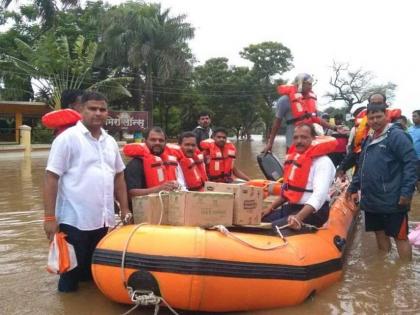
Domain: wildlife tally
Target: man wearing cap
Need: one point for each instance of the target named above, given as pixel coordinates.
(386, 180)
(296, 105)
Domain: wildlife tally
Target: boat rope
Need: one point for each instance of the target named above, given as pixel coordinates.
(125, 221)
(146, 298)
(141, 297)
(222, 229)
(124, 253)
(300, 224)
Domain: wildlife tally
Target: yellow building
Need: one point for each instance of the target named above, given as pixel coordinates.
(21, 112)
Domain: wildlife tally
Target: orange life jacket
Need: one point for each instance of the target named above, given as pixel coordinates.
(194, 169)
(61, 118)
(219, 164)
(362, 127)
(303, 107)
(298, 165)
(157, 169)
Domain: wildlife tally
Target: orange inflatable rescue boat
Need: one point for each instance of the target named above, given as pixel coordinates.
(221, 270)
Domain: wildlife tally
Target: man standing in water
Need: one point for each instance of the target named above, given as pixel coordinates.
(386, 179)
(203, 130)
(84, 172)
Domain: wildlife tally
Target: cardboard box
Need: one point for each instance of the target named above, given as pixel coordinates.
(248, 203)
(200, 208)
(269, 200)
(267, 204)
(148, 209)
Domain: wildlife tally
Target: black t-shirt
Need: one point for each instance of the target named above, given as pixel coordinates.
(134, 174)
(201, 134)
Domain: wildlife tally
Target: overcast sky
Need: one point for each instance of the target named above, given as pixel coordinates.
(380, 36)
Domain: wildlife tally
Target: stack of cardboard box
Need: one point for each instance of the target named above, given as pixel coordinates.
(224, 204)
(184, 208)
(248, 203)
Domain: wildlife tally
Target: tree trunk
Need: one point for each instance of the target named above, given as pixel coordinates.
(166, 118)
(148, 96)
(136, 91)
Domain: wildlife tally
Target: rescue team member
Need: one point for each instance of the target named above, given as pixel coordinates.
(361, 132)
(84, 172)
(154, 166)
(203, 130)
(219, 155)
(354, 111)
(191, 161)
(308, 175)
(386, 180)
(68, 116)
(297, 105)
(342, 136)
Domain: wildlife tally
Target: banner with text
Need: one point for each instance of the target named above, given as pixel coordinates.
(126, 120)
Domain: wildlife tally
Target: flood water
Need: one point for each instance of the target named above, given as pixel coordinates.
(372, 283)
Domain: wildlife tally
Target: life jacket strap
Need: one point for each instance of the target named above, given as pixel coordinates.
(287, 186)
(300, 118)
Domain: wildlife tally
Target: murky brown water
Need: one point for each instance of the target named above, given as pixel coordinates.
(372, 284)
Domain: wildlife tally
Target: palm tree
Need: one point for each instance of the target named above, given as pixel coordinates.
(47, 9)
(54, 67)
(149, 41)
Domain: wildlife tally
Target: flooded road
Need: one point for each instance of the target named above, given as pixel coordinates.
(372, 284)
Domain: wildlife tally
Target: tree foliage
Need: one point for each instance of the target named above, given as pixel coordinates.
(354, 86)
(46, 10)
(270, 60)
(151, 42)
(138, 55)
(231, 93)
(56, 67)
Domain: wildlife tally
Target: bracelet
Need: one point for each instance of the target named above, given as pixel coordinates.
(49, 218)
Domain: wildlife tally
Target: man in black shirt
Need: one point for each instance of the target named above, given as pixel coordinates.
(203, 130)
(155, 139)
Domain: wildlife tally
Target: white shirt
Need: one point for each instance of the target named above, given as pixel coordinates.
(87, 169)
(321, 176)
(180, 178)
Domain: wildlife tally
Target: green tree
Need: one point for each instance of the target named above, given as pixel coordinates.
(231, 93)
(55, 67)
(354, 86)
(46, 9)
(151, 43)
(270, 60)
(15, 85)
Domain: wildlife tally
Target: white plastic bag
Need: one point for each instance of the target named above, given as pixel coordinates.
(62, 257)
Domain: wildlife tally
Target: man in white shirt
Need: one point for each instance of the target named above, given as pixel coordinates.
(309, 203)
(83, 174)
